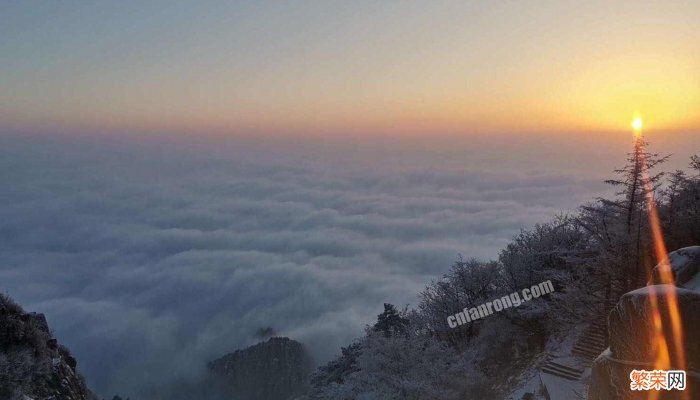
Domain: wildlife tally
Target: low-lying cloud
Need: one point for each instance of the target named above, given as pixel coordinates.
(150, 260)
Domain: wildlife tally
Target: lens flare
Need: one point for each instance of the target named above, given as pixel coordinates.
(667, 356)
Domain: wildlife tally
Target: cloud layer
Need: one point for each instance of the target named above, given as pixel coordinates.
(150, 258)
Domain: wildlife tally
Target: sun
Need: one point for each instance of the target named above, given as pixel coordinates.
(637, 124)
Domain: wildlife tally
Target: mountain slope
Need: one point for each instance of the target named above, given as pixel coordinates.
(32, 363)
(277, 369)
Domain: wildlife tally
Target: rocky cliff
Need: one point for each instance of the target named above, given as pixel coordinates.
(33, 365)
(278, 369)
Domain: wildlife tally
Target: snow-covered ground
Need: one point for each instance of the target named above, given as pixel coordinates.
(558, 348)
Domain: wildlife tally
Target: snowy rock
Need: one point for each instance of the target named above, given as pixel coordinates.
(631, 324)
(685, 265)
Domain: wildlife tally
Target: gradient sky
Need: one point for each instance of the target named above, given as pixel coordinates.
(333, 67)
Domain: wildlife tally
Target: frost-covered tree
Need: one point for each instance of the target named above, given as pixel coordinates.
(467, 283)
(681, 210)
(624, 252)
(406, 367)
(545, 252)
(337, 370)
(391, 321)
(673, 194)
(636, 179)
(695, 163)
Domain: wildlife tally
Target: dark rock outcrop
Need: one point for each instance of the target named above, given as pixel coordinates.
(33, 365)
(610, 379)
(631, 324)
(278, 369)
(631, 327)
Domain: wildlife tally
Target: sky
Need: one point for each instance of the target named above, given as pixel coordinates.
(348, 68)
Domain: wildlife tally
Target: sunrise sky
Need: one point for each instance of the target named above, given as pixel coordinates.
(349, 67)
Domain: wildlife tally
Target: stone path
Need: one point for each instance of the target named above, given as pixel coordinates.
(563, 378)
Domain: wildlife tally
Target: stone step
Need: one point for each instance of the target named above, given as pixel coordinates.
(583, 346)
(560, 373)
(585, 357)
(586, 353)
(592, 342)
(591, 349)
(590, 346)
(569, 368)
(596, 336)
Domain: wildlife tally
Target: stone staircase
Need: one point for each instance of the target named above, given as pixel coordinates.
(588, 346)
(561, 370)
(592, 342)
(563, 378)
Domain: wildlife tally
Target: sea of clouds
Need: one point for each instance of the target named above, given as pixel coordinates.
(152, 256)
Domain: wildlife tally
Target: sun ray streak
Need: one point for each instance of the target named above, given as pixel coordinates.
(666, 357)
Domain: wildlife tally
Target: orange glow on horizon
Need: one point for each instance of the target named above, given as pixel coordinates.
(276, 68)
